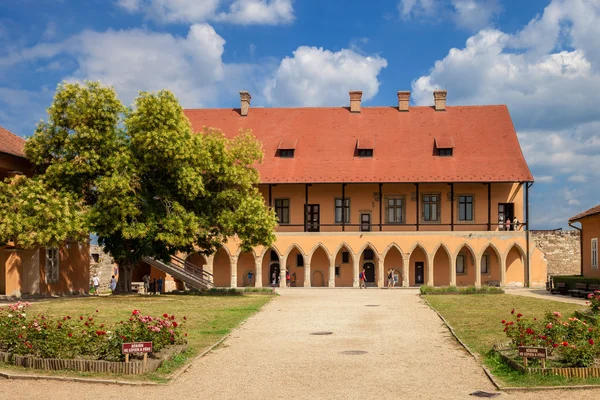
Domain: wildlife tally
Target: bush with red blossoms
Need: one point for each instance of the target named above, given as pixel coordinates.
(594, 301)
(81, 336)
(570, 340)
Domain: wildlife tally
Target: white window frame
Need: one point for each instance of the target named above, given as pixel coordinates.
(594, 260)
(52, 264)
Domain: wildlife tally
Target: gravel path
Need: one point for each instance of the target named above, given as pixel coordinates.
(545, 295)
(409, 355)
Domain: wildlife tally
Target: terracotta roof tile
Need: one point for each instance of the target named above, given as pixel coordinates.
(588, 213)
(11, 143)
(486, 148)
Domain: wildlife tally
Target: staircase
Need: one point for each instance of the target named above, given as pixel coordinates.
(184, 271)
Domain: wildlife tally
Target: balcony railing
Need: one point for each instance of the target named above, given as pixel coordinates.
(395, 227)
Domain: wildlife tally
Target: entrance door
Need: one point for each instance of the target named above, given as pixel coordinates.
(419, 272)
(365, 222)
(505, 210)
(312, 218)
(274, 269)
(369, 272)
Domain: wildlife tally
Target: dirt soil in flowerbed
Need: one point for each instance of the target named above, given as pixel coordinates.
(476, 319)
(209, 318)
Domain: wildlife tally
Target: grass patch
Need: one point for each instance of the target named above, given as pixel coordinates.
(460, 290)
(209, 318)
(476, 321)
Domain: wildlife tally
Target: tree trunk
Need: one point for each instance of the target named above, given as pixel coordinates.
(124, 282)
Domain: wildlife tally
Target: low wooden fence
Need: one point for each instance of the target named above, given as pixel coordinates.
(97, 366)
(567, 372)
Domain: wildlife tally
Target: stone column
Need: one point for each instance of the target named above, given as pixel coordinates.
(258, 272)
(405, 270)
(355, 270)
(331, 271)
(453, 270)
(477, 271)
(209, 267)
(282, 268)
(429, 270)
(502, 266)
(233, 269)
(306, 274)
(380, 274)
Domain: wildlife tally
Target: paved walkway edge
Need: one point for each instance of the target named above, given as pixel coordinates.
(171, 378)
(492, 378)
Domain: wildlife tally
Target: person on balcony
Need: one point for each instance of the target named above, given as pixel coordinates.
(516, 225)
(507, 225)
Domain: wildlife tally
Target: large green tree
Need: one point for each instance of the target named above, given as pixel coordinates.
(143, 181)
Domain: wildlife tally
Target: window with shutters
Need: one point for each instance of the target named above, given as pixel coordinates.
(52, 258)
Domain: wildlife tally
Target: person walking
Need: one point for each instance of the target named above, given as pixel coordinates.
(113, 284)
(395, 277)
(250, 278)
(362, 278)
(390, 278)
(146, 280)
(273, 279)
(288, 278)
(96, 284)
(160, 284)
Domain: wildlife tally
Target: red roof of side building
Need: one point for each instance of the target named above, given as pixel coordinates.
(592, 211)
(11, 143)
(486, 148)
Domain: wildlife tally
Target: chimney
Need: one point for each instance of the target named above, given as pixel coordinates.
(245, 99)
(439, 97)
(403, 100)
(355, 97)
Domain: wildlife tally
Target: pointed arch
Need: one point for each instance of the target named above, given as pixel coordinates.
(315, 247)
(442, 246)
(389, 247)
(442, 265)
(341, 246)
(516, 273)
(468, 246)
(252, 250)
(518, 247)
(271, 247)
(416, 276)
(367, 245)
(418, 244)
(297, 247)
(491, 274)
(494, 249)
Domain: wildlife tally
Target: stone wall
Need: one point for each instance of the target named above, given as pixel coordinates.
(102, 263)
(562, 250)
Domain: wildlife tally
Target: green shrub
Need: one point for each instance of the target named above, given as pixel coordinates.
(573, 279)
(462, 290)
(470, 290)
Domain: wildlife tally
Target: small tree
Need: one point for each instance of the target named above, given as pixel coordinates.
(148, 184)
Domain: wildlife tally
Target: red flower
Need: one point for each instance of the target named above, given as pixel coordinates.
(100, 333)
(184, 318)
(70, 334)
(174, 324)
(555, 345)
(166, 315)
(185, 334)
(68, 317)
(503, 322)
(136, 312)
(172, 317)
(90, 319)
(87, 323)
(81, 317)
(513, 311)
(96, 310)
(519, 315)
(565, 344)
(591, 341)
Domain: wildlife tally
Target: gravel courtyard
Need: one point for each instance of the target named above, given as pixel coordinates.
(405, 353)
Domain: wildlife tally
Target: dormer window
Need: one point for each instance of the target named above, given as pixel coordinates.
(287, 147)
(364, 147)
(289, 153)
(444, 146)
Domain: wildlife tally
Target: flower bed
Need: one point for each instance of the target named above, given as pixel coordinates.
(25, 339)
(571, 343)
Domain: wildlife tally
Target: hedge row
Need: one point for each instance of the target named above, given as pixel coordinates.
(460, 290)
(572, 280)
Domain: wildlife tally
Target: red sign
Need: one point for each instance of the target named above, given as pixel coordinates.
(137, 347)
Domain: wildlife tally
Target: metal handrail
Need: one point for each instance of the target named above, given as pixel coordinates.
(189, 265)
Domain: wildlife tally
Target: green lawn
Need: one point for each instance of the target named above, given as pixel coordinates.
(209, 318)
(476, 319)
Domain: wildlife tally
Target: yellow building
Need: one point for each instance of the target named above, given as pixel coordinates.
(438, 195)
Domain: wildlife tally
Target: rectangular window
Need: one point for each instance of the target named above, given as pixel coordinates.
(369, 255)
(365, 153)
(338, 211)
(52, 257)
(286, 153)
(445, 152)
(299, 260)
(394, 210)
(460, 264)
(484, 264)
(595, 253)
(431, 207)
(337, 270)
(282, 209)
(345, 257)
(465, 208)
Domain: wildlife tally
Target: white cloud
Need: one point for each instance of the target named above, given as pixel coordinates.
(50, 31)
(548, 74)
(243, 12)
(468, 14)
(315, 76)
(544, 179)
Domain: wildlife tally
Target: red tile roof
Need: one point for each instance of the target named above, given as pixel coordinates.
(11, 143)
(592, 211)
(486, 148)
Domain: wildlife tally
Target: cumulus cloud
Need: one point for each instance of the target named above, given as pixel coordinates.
(468, 14)
(243, 12)
(548, 75)
(315, 76)
(544, 178)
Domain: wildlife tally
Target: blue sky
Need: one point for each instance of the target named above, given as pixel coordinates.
(541, 58)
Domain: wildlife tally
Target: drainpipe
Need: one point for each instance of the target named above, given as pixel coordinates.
(580, 247)
(527, 186)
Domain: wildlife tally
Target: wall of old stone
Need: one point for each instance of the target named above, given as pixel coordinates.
(102, 263)
(562, 250)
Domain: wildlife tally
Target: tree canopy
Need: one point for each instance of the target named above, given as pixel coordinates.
(139, 178)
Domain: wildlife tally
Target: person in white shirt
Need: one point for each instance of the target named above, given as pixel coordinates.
(96, 283)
